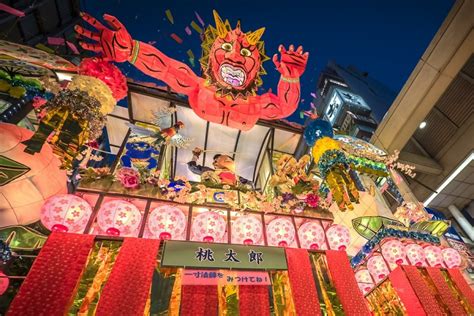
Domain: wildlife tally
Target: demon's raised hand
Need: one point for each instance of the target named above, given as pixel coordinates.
(232, 66)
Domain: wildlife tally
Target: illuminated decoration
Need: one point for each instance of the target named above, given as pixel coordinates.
(96, 89)
(25, 181)
(368, 226)
(434, 256)
(4, 283)
(209, 227)
(280, 232)
(410, 213)
(311, 235)
(452, 258)
(393, 251)
(415, 255)
(119, 218)
(338, 237)
(364, 280)
(66, 213)
(232, 66)
(317, 129)
(377, 268)
(167, 222)
(247, 230)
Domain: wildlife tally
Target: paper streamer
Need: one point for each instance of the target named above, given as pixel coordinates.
(187, 30)
(196, 27)
(176, 38)
(169, 16)
(199, 18)
(55, 41)
(313, 94)
(12, 11)
(405, 292)
(72, 47)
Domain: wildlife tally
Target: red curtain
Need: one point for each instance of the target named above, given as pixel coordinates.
(254, 300)
(422, 290)
(462, 285)
(352, 300)
(302, 284)
(445, 292)
(129, 283)
(50, 284)
(405, 292)
(199, 300)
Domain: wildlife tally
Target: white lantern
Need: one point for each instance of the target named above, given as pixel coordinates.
(452, 258)
(247, 230)
(209, 227)
(377, 268)
(393, 251)
(415, 254)
(338, 237)
(119, 218)
(364, 280)
(65, 213)
(434, 256)
(311, 235)
(280, 232)
(167, 222)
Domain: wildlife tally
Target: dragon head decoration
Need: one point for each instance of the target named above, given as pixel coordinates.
(232, 60)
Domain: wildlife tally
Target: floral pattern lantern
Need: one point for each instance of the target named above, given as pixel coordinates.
(393, 251)
(364, 280)
(377, 268)
(119, 218)
(4, 283)
(434, 256)
(65, 213)
(452, 258)
(280, 232)
(247, 230)
(415, 254)
(338, 237)
(209, 227)
(311, 235)
(167, 222)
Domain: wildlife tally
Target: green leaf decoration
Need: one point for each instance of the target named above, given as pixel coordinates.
(22, 238)
(10, 170)
(435, 228)
(368, 226)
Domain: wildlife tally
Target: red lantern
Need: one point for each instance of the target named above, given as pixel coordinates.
(338, 237)
(377, 268)
(452, 258)
(209, 227)
(393, 251)
(65, 213)
(167, 222)
(247, 230)
(280, 232)
(415, 255)
(311, 235)
(119, 218)
(434, 256)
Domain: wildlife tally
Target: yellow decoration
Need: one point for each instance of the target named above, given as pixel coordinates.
(322, 145)
(95, 88)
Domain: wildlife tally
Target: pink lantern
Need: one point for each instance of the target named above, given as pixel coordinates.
(434, 256)
(65, 213)
(4, 283)
(167, 222)
(119, 217)
(364, 280)
(247, 230)
(415, 254)
(209, 227)
(393, 251)
(338, 237)
(452, 258)
(280, 232)
(311, 235)
(377, 268)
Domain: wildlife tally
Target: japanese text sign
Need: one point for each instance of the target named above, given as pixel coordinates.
(224, 277)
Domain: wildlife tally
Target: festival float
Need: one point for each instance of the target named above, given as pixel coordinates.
(199, 198)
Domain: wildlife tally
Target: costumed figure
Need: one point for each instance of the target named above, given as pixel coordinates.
(232, 66)
(223, 172)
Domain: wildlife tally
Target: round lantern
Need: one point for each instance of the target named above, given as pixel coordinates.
(434, 256)
(364, 280)
(280, 232)
(65, 213)
(451, 257)
(311, 235)
(119, 218)
(30, 181)
(4, 283)
(377, 268)
(167, 222)
(415, 254)
(317, 129)
(247, 230)
(209, 227)
(393, 251)
(338, 237)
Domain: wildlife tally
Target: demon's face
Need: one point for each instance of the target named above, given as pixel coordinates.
(234, 62)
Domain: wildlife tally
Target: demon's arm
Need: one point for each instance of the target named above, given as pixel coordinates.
(291, 66)
(116, 44)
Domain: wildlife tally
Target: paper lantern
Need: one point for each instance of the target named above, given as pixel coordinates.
(209, 227)
(119, 218)
(311, 235)
(415, 255)
(4, 283)
(364, 280)
(377, 268)
(66, 213)
(338, 237)
(393, 251)
(28, 180)
(280, 232)
(247, 230)
(434, 256)
(452, 258)
(167, 222)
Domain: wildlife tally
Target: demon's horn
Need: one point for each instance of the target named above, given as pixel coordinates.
(237, 26)
(220, 25)
(254, 37)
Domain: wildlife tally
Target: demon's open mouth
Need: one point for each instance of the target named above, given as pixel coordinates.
(234, 76)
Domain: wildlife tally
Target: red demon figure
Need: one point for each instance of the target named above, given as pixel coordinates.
(232, 64)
